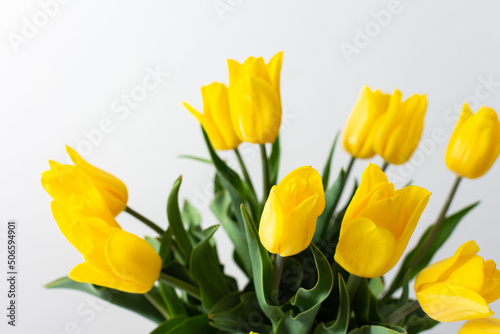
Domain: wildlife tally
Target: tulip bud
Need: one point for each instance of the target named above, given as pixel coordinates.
(254, 98)
(481, 326)
(459, 287)
(359, 134)
(90, 186)
(378, 224)
(216, 118)
(475, 143)
(398, 130)
(289, 219)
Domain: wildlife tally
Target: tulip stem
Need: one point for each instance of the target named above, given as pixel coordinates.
(352, 286)
(401, 313)
(265, 171)
(348, 171)
(277, 272)
(244, 169)
(157, 304)
(144, 220)
(384, 166)
(190, 289)
(437, 226)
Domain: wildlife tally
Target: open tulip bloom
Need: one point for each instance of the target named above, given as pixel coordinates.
(314, 264)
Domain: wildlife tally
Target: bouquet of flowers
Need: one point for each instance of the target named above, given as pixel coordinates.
(312, 265)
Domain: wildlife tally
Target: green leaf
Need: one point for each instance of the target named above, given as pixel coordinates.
(175, 221)
(444, 233)
(376, 285)
(378, 330)
(332, 197)
(221, 207)
(206, 270)
(191, 216)
(418, 322)
(174, 304)
(262, 269)
(328, 165)
(191, 157)
(365, 304)
(308, 302)
(274, 161)
(166, 245)
(239, 313)
(342, 323)
(154, 242)
(133, 302)
(183, 325)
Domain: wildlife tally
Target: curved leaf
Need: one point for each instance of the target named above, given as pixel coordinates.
(342, 323)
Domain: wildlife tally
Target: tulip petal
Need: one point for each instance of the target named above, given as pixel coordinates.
(114, 191)
(274, 69)
(364, 249)
(300, 224)
(448, 302)
(133, 259)
(438, 270)
(272, 223)
(234, 69)
(481, 326)
(491, 286)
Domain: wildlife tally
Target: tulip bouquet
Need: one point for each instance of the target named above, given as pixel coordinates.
(313, 265)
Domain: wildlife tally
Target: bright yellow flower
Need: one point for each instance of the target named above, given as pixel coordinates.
(359, 133)
(398, 130)
(459, 287)
(289, 219)
(254, 98)
(481, 326)
(113, 258)
(378, 224)
(85, 184)
(216, 118)
(475, 143)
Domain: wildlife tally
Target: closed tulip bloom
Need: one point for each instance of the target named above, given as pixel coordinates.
(113, 258)
(481, 326)
(89, 184)
(399, 129)
(289, 219)
(475, 143)
(378, 224)
(359, 133)
(459, 287)
(254, 98)
(216, 117)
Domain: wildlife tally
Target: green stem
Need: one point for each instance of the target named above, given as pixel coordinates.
(401, 313)
(384, 166)
(277, 272)
(437, 226)
(352, 286)
(154, 300)
(265, 171)
(146, 221)
(244, 170)
(190, 289)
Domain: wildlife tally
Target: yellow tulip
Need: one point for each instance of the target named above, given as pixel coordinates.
(359, 133)
(475, 143)
(254, 98)
(216, 117)
(93, 187)
(378, 224)
(289, 219)
(113, 258)
(459, 287)
(481, 326)
(398, 130)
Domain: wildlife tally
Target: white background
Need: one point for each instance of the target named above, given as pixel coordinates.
(63, 80)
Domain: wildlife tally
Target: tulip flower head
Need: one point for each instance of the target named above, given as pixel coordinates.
(378, 224)
(475, 143)
(254, 98)
(459, 287)
(113, 258)
(85, 184)
(216, 117)
(359, 134)
(481, 326)
(289, 219)
(398, 130)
